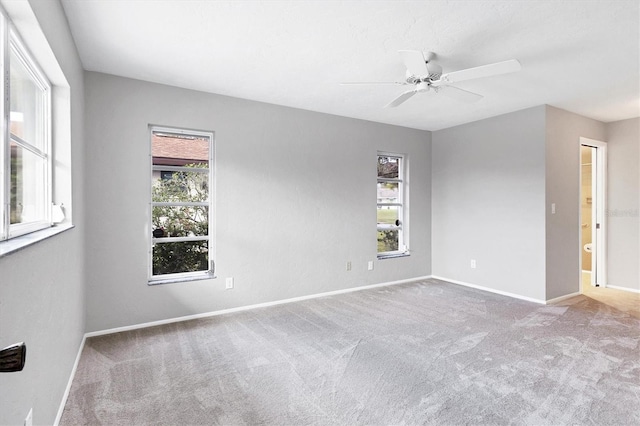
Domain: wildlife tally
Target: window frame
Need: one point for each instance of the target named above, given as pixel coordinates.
(402, 204)
(11, 41)
(182, 276)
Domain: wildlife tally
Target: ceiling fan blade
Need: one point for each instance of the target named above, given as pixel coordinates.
(415, 62)
(498, 68)
(459, 94)
(357, 83)
(401, 99)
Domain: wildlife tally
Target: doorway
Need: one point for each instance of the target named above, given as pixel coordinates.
(593, 161)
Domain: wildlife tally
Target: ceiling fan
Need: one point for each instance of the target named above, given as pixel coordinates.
(425, 75)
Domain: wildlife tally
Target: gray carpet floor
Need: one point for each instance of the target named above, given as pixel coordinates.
(422, 353)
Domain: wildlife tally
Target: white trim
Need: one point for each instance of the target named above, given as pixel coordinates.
(490, 290)
(402, 204)
(250, 307)
(631, 290)
(600, 190)
(210, 204)
(179, 204)
(601, 217)
(595, 194)
(504, 293)
(561, 298)
(179, 239)
(5, 153)
(15, 45)
(393, 180)
(18, 243)
(65, 396)
(181, 278)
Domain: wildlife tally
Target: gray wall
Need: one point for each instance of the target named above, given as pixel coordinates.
(563, 132)
(493, 185)
(295, 200)
(41, 286)
(623, 186)
(488, 203)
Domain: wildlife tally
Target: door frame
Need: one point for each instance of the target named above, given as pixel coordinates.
(599, 230)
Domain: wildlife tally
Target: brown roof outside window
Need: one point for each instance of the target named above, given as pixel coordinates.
(179, 151)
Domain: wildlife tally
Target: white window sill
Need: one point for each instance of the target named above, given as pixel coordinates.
(18, 243)
(393, 255)
(195, 277)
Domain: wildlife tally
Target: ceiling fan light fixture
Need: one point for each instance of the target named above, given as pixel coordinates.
(422, 87)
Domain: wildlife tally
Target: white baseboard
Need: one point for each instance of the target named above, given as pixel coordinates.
(491, 290)
(561, 298)
(631, 290)
(249, 307)
(65, 396)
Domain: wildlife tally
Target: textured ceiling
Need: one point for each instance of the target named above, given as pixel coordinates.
(582, 56)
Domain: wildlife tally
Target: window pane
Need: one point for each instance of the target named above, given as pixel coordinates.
(27, 186)
(171, 258)
(388, 241)
(177, 221)
(388, 167)
(180, 187)
(27, 105)
(388, 192)
(388, 215)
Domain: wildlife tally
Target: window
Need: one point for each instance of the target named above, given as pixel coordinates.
(181, 212)
(25, 175)
(392, 206)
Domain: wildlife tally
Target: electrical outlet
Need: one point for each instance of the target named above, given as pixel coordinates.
(229, 283)
(349, 266)
(553, 208)
(28, 421)
(370, 265)
(473, 264)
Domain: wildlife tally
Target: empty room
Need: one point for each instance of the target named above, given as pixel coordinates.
(320, 212)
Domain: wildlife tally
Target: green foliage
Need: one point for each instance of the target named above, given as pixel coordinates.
(15, 212)
(181, 221)
(387, 241)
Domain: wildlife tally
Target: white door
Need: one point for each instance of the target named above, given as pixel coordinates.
(598, 210)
